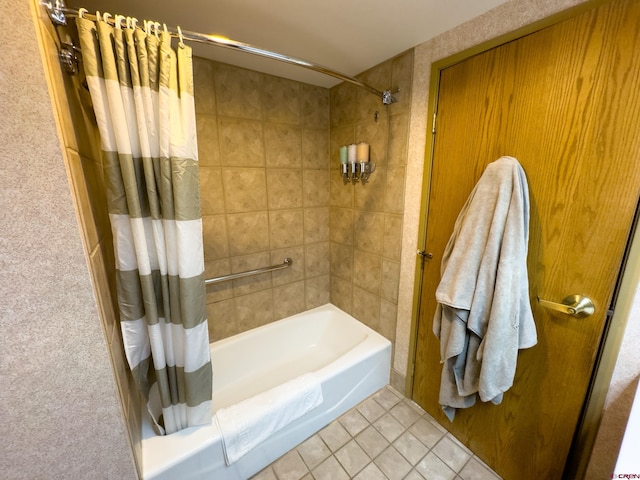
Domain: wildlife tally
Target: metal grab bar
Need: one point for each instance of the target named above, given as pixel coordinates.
(287, 262)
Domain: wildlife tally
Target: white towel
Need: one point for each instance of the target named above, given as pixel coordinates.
(483, 315)
(248, 423)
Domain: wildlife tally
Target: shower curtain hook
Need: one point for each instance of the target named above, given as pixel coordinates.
(134, 22)
(118, 21)
(181, 42)
(156, 27)
(81, 12)
(164, 26)
(106, 16)
(98, 15)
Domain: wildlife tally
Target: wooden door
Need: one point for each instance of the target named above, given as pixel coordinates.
(565, 101)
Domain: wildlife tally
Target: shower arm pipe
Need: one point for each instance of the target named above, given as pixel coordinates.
(287, 262)
(57, 12)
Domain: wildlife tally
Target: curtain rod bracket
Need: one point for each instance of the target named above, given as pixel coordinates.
(56, 12)
(388, 98)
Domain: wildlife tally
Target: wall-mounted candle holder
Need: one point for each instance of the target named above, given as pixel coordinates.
(354, 162)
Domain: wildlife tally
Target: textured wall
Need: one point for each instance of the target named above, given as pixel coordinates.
(366, 218)
(61, 415)
(264, 174)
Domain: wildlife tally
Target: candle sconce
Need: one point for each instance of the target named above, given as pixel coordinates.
(354, 162)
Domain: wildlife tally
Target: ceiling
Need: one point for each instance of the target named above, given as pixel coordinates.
(347, 36)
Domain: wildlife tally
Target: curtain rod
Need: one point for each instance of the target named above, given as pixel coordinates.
(58, 12)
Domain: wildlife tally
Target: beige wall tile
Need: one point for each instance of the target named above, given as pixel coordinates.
(238, 92)
(315, 187)
(241, 142)
(376, 134)
(284, 188)
(398, 139)
(317, 259)
(208, 141)
(316, 225)
(281, 100)
(314, 106)
(286, 228)
(392, 243)
(217, 292)
(343, 104)
(283, 145)
(203, 91)
(371, 195)
(368, 231)
(315, 148)
(211, 192)
(394, 194)
(401, 81)
(367, 271)
(366, 307)
(341, 293)
(254, 310)
(388, 314)
(317, 291)
(294, 272)
(248, 233)
(341, 225)
(288, 300)
(215, 239)
(341, 261)
(341, 193)
(221, 318)
(245, 189)
(390, 280)
(253, 283)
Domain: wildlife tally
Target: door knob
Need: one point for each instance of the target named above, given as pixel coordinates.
(577, 306)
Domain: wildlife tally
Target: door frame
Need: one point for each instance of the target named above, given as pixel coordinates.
(625, 289)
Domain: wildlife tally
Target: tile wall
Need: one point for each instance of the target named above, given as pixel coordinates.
(263, 146)
(365, 219)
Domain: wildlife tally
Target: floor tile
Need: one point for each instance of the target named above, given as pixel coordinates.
(432, 468)
(393, 431)
(387, 398)
(352, 458)
(426, 432)
(335, 436)
(410, 447)
(392, 464)
(313, 451)
(290, 467)
(330, 469)
(371, 410)
(451, 453)
(371, 472)
(354, 422)
(372, 441)
(476, 470)
(406, 415)
(389, 427)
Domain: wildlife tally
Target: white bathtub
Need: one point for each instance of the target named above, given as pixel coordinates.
(352, 360)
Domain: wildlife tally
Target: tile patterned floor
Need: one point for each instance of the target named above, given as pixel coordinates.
(386, 437)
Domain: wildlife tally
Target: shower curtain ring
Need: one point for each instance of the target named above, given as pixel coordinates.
(181, 42)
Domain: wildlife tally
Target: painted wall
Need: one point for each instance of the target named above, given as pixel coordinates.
(61, 411)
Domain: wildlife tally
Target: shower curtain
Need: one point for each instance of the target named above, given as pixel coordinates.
(142, 94)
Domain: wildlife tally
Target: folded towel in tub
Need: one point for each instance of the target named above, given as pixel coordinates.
(245, 424)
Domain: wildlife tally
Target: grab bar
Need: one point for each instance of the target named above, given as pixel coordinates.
(224, 278)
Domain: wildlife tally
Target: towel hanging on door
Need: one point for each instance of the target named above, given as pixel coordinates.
(483, 316)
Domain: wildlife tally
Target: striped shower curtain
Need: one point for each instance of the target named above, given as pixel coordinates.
(142, 94)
